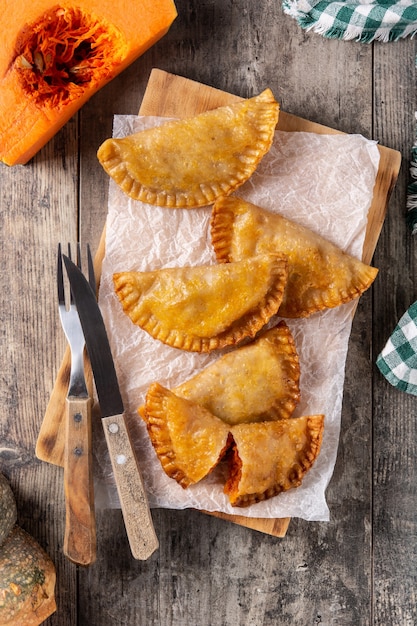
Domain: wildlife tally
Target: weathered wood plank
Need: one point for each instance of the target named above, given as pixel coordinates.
(395, 430)
(39, 208)
(361, 567)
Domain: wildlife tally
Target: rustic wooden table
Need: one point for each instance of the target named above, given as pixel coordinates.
(361, 567)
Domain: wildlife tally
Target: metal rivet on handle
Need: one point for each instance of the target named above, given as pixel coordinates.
(113, 428)
(121, 459)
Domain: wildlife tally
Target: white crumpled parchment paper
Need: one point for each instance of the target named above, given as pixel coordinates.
(325, 182)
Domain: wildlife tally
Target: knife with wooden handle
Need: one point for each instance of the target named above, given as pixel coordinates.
(132, 495)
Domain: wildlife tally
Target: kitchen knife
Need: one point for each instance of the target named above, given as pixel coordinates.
(132, 495)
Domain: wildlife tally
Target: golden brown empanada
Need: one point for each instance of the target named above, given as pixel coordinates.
(188, 440)
(206, 307)
(320, 275)
(265, 458)
(256, 382)
(271, 457)
(189, 163)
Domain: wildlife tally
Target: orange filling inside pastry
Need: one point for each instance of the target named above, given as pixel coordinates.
(266, 457)
(272, 457)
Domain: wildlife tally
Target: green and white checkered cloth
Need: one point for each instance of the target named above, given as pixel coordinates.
(363, 21)
(398, 360)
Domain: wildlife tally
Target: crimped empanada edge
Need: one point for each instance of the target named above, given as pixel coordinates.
(221, 230)
(245, 327)
(108, 155)
(290, 365)
(154, 415)
(361, 282)
(315, 427)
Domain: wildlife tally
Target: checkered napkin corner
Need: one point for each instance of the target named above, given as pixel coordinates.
(398, 360)
(364, 21)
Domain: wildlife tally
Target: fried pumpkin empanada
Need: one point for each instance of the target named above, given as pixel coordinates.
(270, 457)
(189, 163)
(320, 275)
(206, 307)
(188, 440)
(265, 458)
(256, 382)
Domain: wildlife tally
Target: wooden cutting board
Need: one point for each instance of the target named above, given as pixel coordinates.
(168, 95)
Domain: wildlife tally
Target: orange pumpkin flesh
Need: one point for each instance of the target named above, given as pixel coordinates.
(54, 58)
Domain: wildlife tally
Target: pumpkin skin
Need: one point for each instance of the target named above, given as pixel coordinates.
(8, 511)
(54, 57)
(27, 581)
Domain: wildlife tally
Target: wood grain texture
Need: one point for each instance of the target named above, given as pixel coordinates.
(132, 495)
(50, 444)
(361, 567)
(394, 427)
(80, 521)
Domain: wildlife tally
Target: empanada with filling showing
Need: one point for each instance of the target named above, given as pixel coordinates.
(191, 162)
(265, 458)
(206, 307)
(270, 457)
(320, 275)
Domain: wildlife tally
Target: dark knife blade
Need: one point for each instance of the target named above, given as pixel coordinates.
(98, 347)
(132, 494)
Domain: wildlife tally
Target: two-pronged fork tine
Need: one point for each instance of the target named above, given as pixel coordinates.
(80, 527)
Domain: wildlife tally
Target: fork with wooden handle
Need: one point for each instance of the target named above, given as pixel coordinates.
(80, 525)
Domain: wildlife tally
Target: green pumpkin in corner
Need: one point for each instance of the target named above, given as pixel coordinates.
(27, 574)
(8, 511)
